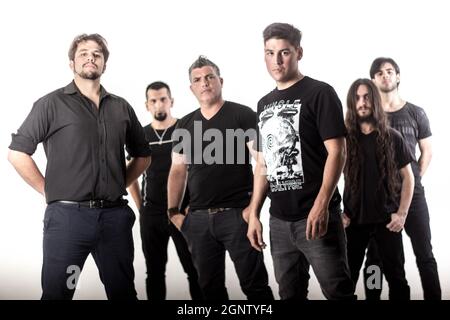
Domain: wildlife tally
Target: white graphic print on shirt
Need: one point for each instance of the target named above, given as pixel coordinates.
(278, 125)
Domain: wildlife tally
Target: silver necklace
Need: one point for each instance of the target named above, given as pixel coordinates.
(160, 137)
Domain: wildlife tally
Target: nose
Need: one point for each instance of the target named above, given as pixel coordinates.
(90, 57)
(279, 59)
(205, 82)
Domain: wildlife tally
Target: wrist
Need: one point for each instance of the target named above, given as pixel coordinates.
(173, 211)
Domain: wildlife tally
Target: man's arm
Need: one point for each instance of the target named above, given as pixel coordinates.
(317, 222)
(398, 218)
(260, 188)
(27, 169)
(176, 184)
(135, 192)
(135, 168)
(425, 154)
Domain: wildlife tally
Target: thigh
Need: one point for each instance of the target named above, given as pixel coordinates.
(290, 265)
(68, 239)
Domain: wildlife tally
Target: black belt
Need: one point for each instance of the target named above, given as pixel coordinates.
(211, 210)
(97, 204)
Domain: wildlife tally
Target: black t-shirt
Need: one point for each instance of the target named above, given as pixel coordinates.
(412, 122)
(293, 124)
(154, 179)
(372, 205)
(219, 170)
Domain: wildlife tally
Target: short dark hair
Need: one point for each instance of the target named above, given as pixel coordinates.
(284, 31)
(201, 62)
(378, 63)
(157, 85)
(85, 37)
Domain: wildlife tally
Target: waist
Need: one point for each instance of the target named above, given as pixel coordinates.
(96, 204)
(211, 210)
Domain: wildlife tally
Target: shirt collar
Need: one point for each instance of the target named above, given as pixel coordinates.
(72, 88)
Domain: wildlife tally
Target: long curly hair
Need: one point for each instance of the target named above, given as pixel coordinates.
(389, 176)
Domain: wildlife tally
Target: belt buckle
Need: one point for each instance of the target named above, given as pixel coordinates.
(214, 210)
(95, 204)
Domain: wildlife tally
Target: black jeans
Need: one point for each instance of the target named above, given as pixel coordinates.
(417, 227)
(390, 248)
(71, 233)
(292, 255)
(208, 236)
(155, 233)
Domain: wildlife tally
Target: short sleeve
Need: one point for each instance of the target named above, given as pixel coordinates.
(136, 143)
(329, 114)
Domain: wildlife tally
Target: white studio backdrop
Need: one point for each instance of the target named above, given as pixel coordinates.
(156, 40)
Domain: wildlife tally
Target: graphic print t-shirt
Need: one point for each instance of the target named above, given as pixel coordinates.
(293, 124)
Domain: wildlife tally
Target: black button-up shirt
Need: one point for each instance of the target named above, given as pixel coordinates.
(84, 144)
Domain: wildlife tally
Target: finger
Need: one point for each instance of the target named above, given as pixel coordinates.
(322, 229)
(313, 230)
(308, 229)
(255, 241)
(261, 243)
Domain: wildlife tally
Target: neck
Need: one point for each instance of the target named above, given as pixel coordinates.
(281, 85)
(392, 101)
(366, 127)
(208, 110)
(160, 125)
(88, 87)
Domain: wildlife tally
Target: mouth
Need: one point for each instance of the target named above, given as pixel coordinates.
(90, 65)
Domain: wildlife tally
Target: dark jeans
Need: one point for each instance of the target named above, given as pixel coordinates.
(292, 255)
(71, 233)
(155, 233)
(390, 248)
(208, 237)
(417, 227)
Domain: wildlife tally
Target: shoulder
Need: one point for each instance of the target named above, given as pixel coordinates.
(181, 123)
(395, 136)
(237, 107)
(319, 87)
(416, 110)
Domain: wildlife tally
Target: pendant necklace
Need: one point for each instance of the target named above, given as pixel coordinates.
(160, 137)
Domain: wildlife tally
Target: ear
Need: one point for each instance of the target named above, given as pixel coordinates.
(299, 53)
(172, 100)
(72, 65)
(221, 81)
(104, 68)
(146, 106)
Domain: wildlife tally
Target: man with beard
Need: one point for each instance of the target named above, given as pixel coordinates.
(378, 186)
(152, 201)
(412, 122)
(84, 130)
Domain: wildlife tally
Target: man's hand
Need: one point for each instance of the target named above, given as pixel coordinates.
(254, 233)
(345, 220)
(397, 222)
(317, 222)
(177, 220)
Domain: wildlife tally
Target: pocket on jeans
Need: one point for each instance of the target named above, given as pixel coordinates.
(184, 225)
(47, 218)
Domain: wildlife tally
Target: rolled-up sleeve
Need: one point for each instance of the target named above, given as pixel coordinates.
(33, 130)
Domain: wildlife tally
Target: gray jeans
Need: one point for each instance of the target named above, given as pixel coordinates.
(292, 255)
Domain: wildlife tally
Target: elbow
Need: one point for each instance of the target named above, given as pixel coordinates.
(13, 157)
